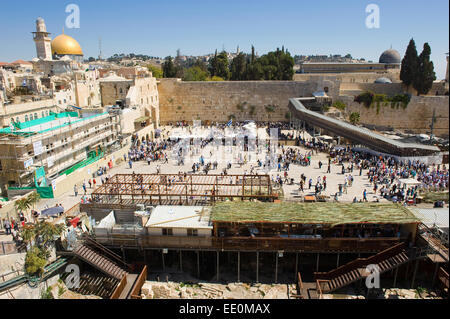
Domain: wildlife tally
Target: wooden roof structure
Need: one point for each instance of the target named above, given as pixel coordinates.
(183, 188)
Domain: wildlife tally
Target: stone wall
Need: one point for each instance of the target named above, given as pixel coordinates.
(247, 100)
(415, 118)
(390, 89)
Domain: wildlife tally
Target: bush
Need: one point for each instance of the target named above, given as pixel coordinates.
(354, 118)
(61, 290)
(366, 98)
(404, 99)
(35, 261)
(340, 105)
(47, 294)
(270, 108)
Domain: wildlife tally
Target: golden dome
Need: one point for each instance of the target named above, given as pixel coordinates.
(65, 45)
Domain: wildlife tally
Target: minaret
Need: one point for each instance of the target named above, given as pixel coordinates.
(446, 73)
(42, 40)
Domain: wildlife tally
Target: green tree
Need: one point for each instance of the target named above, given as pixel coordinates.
(34, 198)
(157, 72)
(169, 70)
(195, 73)
(410, 64)
(239, 68)
(215, 79)
(425, 72)
(23, 204)
(201, 64)
(276, 65)
(39, 237)
(219, 66)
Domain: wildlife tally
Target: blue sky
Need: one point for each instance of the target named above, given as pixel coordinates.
(199, 27)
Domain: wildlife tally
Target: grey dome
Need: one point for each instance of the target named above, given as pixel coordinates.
(383, 80)
(390, 57)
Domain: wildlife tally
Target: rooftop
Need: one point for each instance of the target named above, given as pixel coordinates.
(433, 216)
(179, 217)
(312, 213)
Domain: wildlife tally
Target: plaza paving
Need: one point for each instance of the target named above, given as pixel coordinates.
(291, 192)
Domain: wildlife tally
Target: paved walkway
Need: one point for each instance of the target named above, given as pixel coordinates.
(360, 183)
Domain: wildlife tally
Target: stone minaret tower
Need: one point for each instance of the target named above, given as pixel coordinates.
(42, 40)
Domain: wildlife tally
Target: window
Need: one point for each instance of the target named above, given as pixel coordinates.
(167, 232)
(17, 119)
(26, 118)
(43, 114)
(192, 232)
(35, 116)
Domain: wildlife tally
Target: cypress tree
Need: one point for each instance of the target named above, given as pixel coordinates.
(410, 64)
(425, 72)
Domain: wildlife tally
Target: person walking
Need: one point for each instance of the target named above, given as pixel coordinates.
(84, 188)
(365, 196)
(75, 190)
(7, 227)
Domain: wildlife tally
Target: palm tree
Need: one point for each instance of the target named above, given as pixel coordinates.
(22, 204)
(34, 198)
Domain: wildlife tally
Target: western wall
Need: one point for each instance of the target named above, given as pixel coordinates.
(268, 101)
(218, 101)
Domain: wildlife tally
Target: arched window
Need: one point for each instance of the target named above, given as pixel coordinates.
(43, 114)
(35, 116)
(17, 119)
(120, 91)
(26, 118)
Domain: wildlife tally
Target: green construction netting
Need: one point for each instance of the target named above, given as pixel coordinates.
(93, 157)
(51, 117)
(44, 192)
(36, 122)
(39, 177)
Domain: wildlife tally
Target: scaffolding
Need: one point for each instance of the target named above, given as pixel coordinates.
(182, 189)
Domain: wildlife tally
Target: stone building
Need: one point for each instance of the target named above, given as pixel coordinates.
(138, 99)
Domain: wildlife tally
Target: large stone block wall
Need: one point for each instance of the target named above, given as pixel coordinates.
(378, 88)
(217, 101)
(415, 118)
